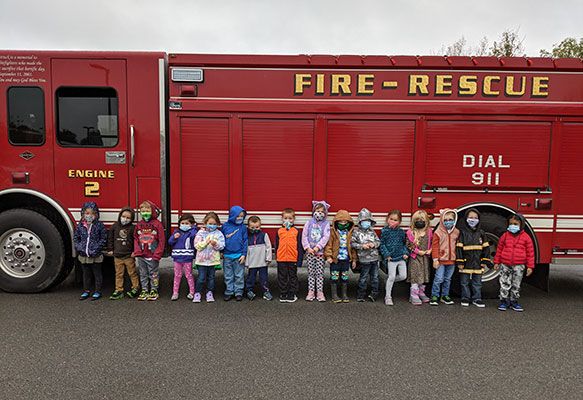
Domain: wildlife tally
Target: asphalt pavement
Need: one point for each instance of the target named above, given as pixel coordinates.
(54, 346)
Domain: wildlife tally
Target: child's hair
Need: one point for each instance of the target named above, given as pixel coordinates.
(396, 212)
(186, 217)
(254, 219)
(145, 203)
(319, 206)
(515, 217)
(419, 214)
(213, 216)
(288, 211)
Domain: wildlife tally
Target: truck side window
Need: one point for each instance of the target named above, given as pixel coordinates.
(87, 117)
(26, 115)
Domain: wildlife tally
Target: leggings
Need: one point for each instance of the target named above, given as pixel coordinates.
(315, 272)
(396, 272)
(178, 268)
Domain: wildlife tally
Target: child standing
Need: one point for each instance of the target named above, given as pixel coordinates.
(90, 237)
(366, 243)
(340, 255)
(208, 243)
(235, 233)
(394, 252)
(315, 235)
(419, 244)
(289, 254)
(472, 257)
(182, 240)
(258, 258)
(149, 244)
(515, 251)
(443, 253)
(120, 243)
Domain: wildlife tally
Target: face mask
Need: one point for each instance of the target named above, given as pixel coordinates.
(419, 224)
(365, 224)
(393, 224)
(254, 231)
(473, 222)
(448, 224)
(211, 227)
(513, 228)
(125, 221)
(287, 224)
(319, 215)
(239, 221)
(89, 218)
(185, 228)
(146, 215)
(343, 226)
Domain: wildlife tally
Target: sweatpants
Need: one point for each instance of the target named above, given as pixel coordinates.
(315, 272)
(396, 272)
(148, 273)
(287, 277)
(252, 276)
(510, 280)
(90, 271)
(339, 272)
(121, 265)
(187, 268)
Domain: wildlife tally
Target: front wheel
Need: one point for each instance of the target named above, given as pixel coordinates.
(33, 253)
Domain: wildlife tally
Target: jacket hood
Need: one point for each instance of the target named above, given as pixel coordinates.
(366, 214)
(92, 205)
(465, 223)
(154, 208)
(343, 215)
(448, 211)
(130, 210)
(326, 206)
(234, 212)
(522, 222)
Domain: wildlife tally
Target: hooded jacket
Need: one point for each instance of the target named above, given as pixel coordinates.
(90, 239)
(120, 239)
(393, 243)
(515, 248)
(443, 247)
(333, 245)
(149, 240)
(362, 236)
(316, 233)
(472, 248)
(235, 234)
(183, 246)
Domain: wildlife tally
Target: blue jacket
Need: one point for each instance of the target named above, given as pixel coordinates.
(393, 243)
(235, 234)
(183, 248)
(90, 239)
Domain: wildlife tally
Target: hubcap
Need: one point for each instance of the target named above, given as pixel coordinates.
(23, 253)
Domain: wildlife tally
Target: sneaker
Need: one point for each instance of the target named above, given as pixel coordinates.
(238, 297)
(96, 296)
(478, 303)
(196, 298)
(320, 297)
(311, 296)
(228, 297)
(116, 295)
(360, 299)
(503, 306)
(292, 298)
(190, 296)
(267, 296)
(465, 303)
(516, 307)
(153, 296)
(283, 298)
(250, 295)
(210, 297)
(446, 300)
(132, 293)
(388, 301)
(372, 298)
(434, 301)
(84, 295)
(174, 297)
(143, 295)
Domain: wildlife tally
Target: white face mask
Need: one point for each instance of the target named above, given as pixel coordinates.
(125, 221)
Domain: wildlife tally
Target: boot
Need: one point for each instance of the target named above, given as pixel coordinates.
(344, 288)
(414, 297)
(334, 290)
(422, 295)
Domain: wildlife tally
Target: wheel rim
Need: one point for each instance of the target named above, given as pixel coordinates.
(490, 273)
(23, 253)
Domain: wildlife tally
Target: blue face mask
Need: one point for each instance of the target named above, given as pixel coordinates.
(513, 228)
(239, 221)
(473, 222)
(448, 224)
(185, 228)
(365, 224)
(287, 224)
(254, 231)
(211, 227)
(89, 218)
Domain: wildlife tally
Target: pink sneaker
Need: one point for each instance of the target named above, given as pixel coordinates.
(311, 296)
(321, 297)
(197, 297)
(209, 297)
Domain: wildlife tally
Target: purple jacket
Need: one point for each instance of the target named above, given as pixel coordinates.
(316, 233)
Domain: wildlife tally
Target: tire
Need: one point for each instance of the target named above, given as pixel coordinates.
(33, 252)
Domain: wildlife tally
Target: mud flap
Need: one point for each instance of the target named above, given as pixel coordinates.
(539, 278)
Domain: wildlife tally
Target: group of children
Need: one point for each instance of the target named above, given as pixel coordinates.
(345, 245)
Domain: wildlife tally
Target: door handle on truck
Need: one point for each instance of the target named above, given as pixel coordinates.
(132, 146)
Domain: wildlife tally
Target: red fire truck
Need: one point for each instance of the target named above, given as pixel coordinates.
(196, 133)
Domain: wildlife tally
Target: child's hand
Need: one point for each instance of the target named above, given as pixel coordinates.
(176, 235)
(110, 253)
(460, 266)
(496, 266)
(316, 249)
(330, 260)
(309, 250)
(241, 259)
(353, 264)
(388, 258)
(405, 256)
(133, 254)
(529, 271)
(483, 265)
(246, 269)
(213, 242)
(436, 264)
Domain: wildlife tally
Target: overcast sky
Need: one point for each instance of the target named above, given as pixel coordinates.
(284, 27)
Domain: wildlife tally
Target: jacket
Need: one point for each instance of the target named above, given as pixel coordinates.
(90, 239)
(120, 238)
(443, 246)
(393, 243)
(288, 245)
(258, 250)
(183, 246)
(515, 249)
(472, 248)
(316, 233)
(149, 240)
(206, 254)
(235, 234)
(415, 249)
(333, 245)
(363, 236)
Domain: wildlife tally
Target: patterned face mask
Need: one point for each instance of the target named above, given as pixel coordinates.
(124, 221)
(365, 224)
(287, 224)
(473, 222)
(319, 215)
(146, 215)
(343, 226)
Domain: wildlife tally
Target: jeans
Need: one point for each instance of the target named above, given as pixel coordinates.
(367, 269)
(392, 276)
(206, 273)
(234, 274)
(443, 276)
(476, 280)
(252, 276)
